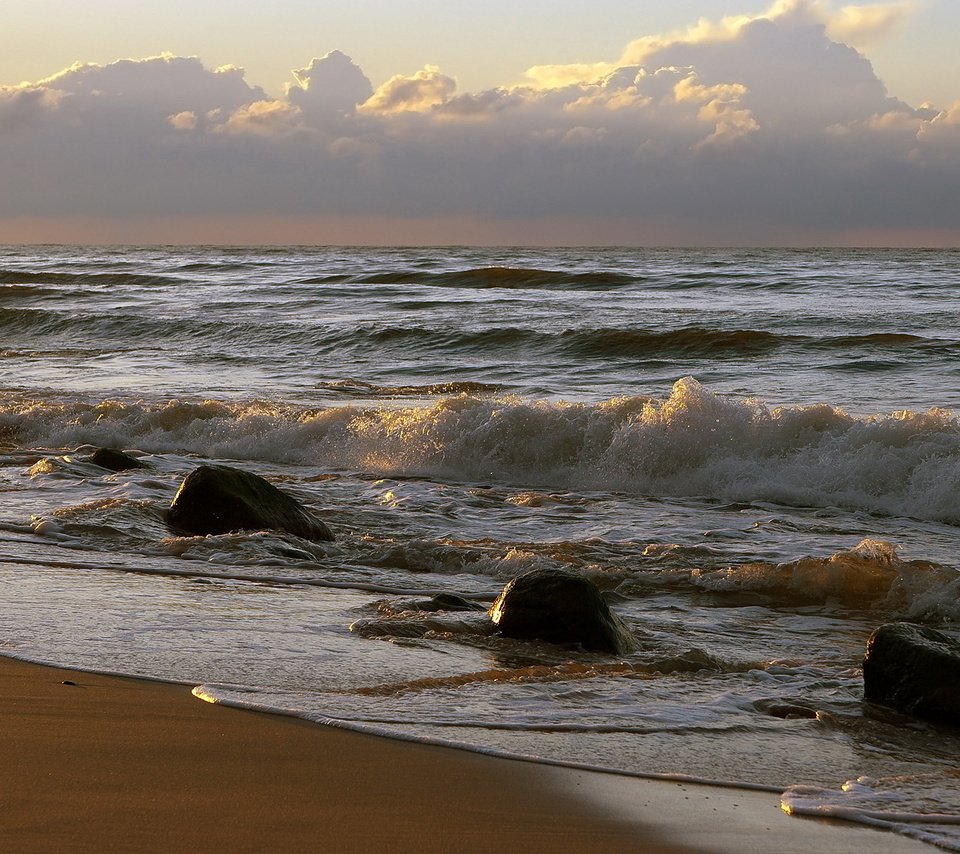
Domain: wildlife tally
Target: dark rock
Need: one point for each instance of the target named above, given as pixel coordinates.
(559, 607)
(221, 499)
(108, 458)
(449, 602)
(914, 669)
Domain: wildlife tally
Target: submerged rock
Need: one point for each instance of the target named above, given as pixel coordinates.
(220, 499)
(109, 458)
(559, 607)
(914, 669)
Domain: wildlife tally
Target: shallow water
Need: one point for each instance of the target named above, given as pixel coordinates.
(754, 453)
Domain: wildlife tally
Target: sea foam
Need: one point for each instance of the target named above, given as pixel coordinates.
(693, 444)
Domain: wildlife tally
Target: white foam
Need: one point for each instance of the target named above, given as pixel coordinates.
(869, 802)
(869, 575)
(693, 444)
(849, 804)
(46, 527)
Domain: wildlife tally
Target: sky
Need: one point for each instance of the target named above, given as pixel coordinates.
(652, 122)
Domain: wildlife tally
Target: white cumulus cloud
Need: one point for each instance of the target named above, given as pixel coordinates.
(426, 89)
(329, 87)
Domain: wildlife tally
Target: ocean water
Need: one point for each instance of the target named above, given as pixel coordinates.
(755, 454)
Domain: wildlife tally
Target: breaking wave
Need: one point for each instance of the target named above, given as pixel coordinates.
(870, 576)
(694, 444)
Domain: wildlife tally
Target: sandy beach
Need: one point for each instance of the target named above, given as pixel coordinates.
(99, 763)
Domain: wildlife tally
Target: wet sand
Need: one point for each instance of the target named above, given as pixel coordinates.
(116, 764)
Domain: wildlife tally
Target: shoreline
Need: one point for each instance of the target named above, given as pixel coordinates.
(127, 764)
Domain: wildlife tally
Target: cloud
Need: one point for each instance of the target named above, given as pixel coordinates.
(750, 129)
(186, 120)
(855, 24)
(794, 73)
(426, 89)
(261, 118)
(23, 107)
(557, 76)
(722, 105)
(939, 138)
(157, 84)
(866, 25)
(329, 87)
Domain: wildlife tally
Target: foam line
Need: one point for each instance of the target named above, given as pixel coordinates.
(290, 580)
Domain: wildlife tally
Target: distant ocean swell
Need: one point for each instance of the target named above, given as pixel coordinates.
(581, 343)
(14, 278)
(693, 444)
(473, 278)
(468, 278)
(480, 277)
(487, 277)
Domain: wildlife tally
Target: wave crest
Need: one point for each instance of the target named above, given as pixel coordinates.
(869, 575)
(488, 277)
(693, 444)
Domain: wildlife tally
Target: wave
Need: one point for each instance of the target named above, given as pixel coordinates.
(57, 353)
(871, 575)
(693, 444)
(880, 350)
(113, 279)
(361, 389)
(613, 342)
(691, 341)
(111, 326)
(487, 277)
(18, 291)
(217, 266)
(915, 805)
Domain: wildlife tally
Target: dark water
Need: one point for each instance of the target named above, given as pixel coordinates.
(868, 331)
(755, 453)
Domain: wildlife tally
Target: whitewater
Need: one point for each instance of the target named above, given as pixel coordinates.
(754, 454)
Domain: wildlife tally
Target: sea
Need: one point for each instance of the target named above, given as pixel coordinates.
(755, 454)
